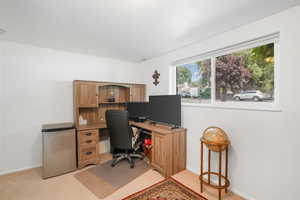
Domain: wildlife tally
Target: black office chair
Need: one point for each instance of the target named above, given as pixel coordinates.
(121, 137)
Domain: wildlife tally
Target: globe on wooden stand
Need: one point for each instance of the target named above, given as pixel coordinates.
(216, 140)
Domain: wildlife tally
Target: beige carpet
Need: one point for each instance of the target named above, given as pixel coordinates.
(103, 179)
(28, 185)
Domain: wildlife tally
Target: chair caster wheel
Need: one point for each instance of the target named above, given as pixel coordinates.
(112, 165)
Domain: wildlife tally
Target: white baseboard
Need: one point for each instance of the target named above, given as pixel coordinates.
(242, 194)
(231, 189)
(17, 170)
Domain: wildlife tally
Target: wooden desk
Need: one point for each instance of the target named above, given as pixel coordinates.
(168, 146)
(91, 100)
(151, 127)
(91, 126)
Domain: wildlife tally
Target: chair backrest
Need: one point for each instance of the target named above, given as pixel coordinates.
(119, 129)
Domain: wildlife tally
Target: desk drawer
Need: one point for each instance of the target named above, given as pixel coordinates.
(88, 137)
(88, 143)
(88, 153)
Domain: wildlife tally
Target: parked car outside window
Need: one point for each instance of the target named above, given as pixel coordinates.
(255, 95)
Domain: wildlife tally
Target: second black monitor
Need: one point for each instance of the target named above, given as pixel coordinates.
(166, 109)
(138, 109)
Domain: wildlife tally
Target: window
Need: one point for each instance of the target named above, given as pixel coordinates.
(246, 75)
(242, 74)
(193, 81)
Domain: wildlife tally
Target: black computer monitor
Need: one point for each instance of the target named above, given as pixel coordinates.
(166, 109)
(138, 109)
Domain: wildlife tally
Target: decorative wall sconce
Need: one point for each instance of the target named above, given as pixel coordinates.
(155, 76)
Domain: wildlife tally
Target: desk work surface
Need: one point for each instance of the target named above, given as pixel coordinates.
(144, 125)
(155, 127)
(91, 126)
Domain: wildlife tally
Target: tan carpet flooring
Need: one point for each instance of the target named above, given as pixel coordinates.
(110, 178)
(28, 185)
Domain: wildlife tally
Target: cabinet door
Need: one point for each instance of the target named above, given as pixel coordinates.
(162, 153)
(137, 93)
(87, 95)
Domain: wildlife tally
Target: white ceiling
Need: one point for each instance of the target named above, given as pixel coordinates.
(127, 29)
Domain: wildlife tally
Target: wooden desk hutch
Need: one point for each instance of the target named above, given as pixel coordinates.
(92, 99)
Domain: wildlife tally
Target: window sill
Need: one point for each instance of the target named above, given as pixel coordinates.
(269, 107)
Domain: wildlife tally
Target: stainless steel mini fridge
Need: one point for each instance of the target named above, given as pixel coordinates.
(59, 149)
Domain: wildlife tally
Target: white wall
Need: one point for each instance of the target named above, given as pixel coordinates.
(264, 157)
(1, 101)
(1, 90)
(38, 90)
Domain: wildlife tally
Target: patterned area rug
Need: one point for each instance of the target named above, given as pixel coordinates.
(168, 189)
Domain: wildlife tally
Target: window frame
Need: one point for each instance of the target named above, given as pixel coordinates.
(260, 106)
(197, 60)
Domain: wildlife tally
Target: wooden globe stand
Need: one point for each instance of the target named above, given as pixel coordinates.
(216, 147)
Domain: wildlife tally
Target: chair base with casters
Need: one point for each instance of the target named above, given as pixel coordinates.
(129, 156)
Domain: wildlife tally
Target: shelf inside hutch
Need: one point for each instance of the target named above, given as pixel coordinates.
(114, 94)
(90, 114)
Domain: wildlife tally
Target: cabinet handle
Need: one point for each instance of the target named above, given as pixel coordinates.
(88, 153)
(88, 134)
(89, 141)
